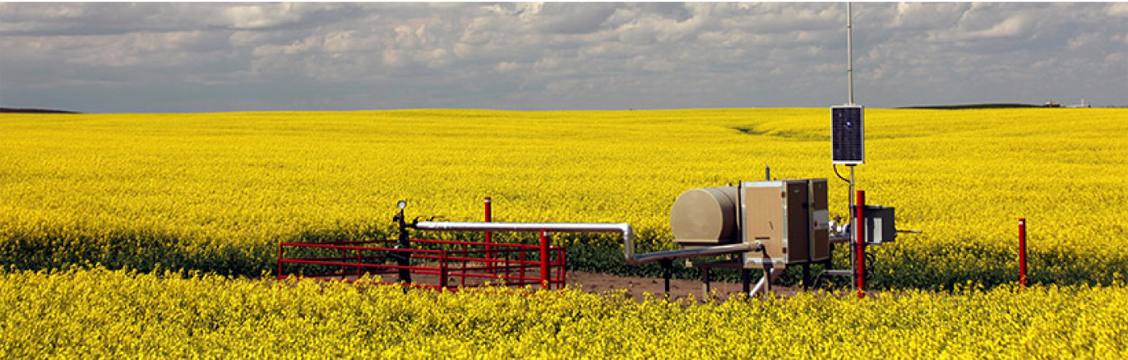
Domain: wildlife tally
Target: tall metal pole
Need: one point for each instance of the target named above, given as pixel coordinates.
(850, 51)
(850, 93)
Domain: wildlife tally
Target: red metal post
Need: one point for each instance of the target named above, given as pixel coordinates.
(560, 272)
(544, 259)
(507, 269)
(443, 272)
(522, 265)
(279, 261)
(489, 238)
(463, 281)
(344, 269)
(860, 244)
(1022, 252)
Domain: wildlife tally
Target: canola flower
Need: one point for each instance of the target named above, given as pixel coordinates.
(217, 192)
(87, 313)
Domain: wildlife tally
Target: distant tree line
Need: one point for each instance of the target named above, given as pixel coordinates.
(36, 111)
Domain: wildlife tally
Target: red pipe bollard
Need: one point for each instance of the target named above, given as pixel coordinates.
(860, 244)
(443, 270)
(544, 259)
(1022, 252)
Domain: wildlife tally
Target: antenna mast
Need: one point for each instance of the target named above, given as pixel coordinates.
(850, 51)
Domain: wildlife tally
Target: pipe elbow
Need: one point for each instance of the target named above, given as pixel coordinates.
(628, 244)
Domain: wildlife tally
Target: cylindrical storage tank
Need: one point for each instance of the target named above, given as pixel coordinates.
(705, 216)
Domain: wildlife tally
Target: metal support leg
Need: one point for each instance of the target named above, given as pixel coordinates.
(705, 283)
(667, 272)
(806, 275)
(746, 280)
(768, 276)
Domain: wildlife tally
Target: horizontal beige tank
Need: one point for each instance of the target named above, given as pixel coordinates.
(705, 216)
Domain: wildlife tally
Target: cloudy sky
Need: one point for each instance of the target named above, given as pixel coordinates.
(189, 57)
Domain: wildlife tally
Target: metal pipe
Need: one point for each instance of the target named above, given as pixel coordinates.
(837, 273)
(759, 285)
(770, 275)
(622, 228)
(850, 51)
(691, 253)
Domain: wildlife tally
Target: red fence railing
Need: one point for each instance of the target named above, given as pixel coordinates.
(434, 264)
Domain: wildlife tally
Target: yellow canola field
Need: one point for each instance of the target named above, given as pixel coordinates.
(119, 314)
(218, 191)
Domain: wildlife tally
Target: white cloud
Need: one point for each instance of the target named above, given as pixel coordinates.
(506, 67)
(562, 55)
(1118, 9)
(257, 16)
(1015, 26)
(568, 18)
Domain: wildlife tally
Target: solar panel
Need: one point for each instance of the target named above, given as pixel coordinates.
(847, 134)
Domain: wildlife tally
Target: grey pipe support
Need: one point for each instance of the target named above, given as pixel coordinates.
(769, 276)
(688, 253)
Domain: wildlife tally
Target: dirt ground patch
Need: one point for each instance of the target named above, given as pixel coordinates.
(637, 287)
